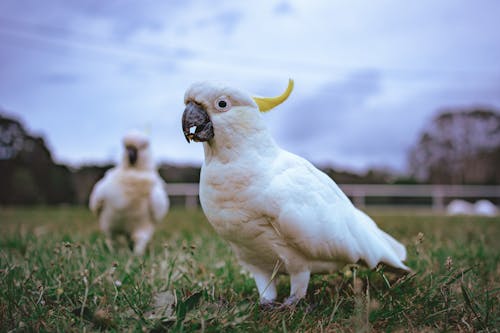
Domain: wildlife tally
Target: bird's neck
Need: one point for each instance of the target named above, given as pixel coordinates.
(229, 147)
(139, 166)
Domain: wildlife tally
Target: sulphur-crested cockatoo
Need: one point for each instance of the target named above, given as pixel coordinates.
(277, 211)
(131, 198)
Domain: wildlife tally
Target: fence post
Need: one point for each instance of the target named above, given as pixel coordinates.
(358, 198)
(437, 199)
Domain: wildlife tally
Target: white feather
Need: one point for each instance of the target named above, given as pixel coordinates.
(273, 206)
(159, 199)
(130, 199)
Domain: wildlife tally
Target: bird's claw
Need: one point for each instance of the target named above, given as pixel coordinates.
(269, 305)
(291, 301)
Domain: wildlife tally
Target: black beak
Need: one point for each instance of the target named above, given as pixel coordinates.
(196, 123)
(132, 155)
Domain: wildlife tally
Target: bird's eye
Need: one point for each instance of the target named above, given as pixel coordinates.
(222, 104)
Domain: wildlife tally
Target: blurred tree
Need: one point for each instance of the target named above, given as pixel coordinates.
(27, 172)
(84, 179)
(371, 176)
(459, 147)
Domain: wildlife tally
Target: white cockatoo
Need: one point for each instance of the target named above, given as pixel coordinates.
(131, 197)
(277, 211)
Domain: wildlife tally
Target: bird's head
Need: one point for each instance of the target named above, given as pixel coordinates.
(137, 152)
(214, 109)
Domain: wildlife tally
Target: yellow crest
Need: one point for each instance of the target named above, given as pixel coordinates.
(267, 103)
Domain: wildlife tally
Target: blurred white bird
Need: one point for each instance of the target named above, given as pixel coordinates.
(481, 207)
(485, 207)
(131, 197)
(459, 207)
(278, 212)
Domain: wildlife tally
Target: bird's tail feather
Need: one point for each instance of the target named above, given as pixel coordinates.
(395, 245)
(378, 246)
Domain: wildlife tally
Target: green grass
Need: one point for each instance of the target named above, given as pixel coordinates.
(56, 274)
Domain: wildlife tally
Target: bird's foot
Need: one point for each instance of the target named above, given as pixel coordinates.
(267, 304)
(271, 305)
(109, 245)
(291, 301)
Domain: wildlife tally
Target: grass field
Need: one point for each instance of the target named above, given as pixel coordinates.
(56, 274)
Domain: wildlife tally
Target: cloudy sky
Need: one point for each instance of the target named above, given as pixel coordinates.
(369, 75)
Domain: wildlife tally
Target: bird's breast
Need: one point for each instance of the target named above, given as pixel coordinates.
(135, 188)
(228, 199)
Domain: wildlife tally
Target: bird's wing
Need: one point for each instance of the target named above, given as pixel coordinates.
(158, 199)
(97, 197)
(316, 217)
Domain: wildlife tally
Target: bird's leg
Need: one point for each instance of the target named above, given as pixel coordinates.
(130, 241)
(141, 238)
(298, 287)
(108, 240)
(109, 243)
(266, 286)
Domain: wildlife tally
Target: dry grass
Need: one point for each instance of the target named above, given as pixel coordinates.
(56, 274)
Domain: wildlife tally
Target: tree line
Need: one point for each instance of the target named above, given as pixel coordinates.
(457, 147)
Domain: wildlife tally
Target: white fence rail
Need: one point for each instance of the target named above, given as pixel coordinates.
(359, 192)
